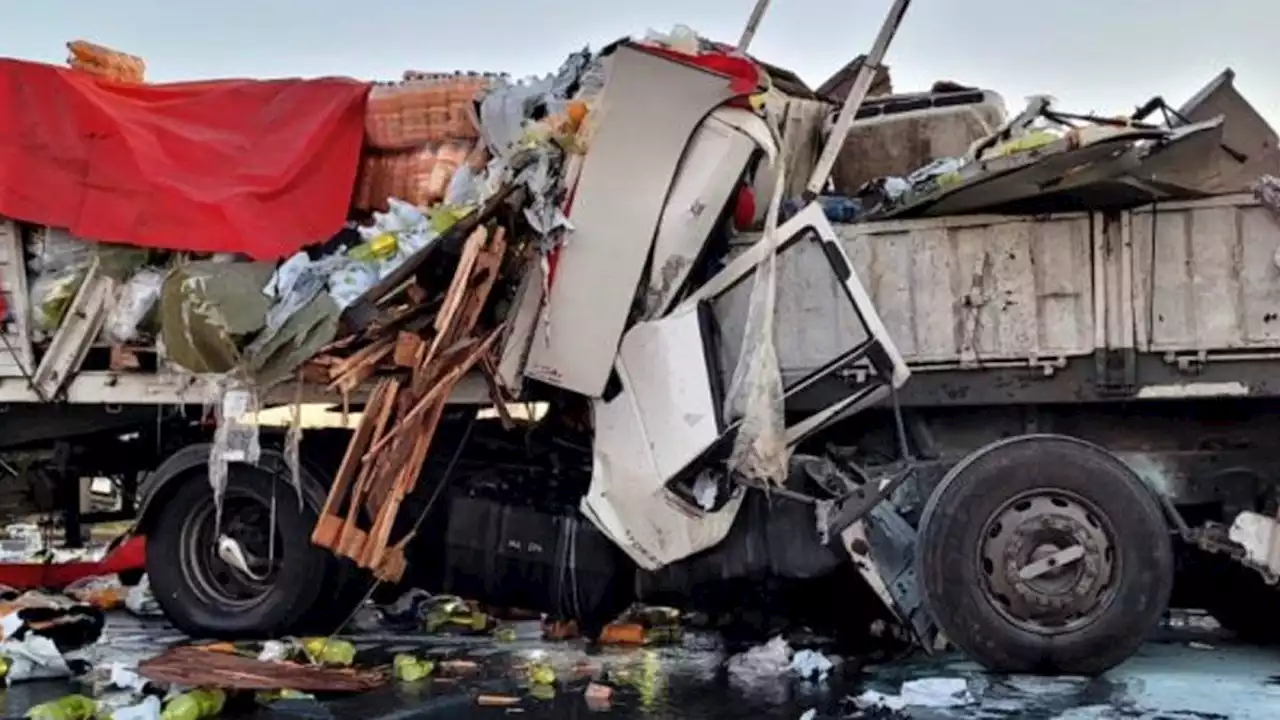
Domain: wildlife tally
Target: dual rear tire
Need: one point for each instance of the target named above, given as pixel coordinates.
(1045, 554)
(291, 587)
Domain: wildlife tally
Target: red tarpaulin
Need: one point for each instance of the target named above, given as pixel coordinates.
(261, 167)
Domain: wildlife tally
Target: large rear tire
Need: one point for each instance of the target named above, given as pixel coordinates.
(1045, 554)
(204, 596)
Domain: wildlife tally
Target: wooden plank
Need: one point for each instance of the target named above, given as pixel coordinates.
(80, 326)
(350, 532)
(408, 346)
(326, 535)
(190, 666)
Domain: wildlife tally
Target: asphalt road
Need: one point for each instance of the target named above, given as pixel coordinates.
(1188, 675)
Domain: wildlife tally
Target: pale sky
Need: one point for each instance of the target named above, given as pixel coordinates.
(1093, 55)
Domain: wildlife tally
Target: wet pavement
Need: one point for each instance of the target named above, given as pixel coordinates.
(1183, 676)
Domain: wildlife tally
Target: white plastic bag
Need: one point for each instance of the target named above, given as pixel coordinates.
(59, 265)
(134, 300)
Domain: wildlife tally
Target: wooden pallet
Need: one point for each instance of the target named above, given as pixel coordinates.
(391, 444)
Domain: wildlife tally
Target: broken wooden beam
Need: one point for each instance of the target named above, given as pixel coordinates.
(190, 666)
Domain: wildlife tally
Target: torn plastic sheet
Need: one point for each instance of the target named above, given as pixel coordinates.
(922, 693)
(760, 663)
(235, 439)
(34, 657)
(755, 392)
(293, 442)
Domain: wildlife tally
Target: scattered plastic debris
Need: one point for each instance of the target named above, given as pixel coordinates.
(922, 693)
(329, 651)
(761, 662)
(33, 657)
(275, 651)
(411, 669)
(809, 714)
(140, 601)
(811, 665)
(149, 708)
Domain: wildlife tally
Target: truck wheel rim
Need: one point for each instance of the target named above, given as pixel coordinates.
(1047, 561)
(246, 520)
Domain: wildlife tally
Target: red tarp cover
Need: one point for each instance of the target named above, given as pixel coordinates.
(250, 166)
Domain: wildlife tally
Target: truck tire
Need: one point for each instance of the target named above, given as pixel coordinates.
(201, 594)
(1045, 554)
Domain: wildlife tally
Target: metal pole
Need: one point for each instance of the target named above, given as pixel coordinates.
(749, 32)
(857, 94)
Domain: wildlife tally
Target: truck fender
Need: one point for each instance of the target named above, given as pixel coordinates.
(1171, 513)
(177, 468)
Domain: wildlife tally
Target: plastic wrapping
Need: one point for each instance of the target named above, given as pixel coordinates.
(236, 406)
(395, 236)
(59, 264)
(755, 391)
(134, 301)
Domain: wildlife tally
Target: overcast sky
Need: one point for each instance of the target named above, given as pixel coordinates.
(1105, 56)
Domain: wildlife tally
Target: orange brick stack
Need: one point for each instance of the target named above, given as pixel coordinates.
(418, 132)
(105, 62)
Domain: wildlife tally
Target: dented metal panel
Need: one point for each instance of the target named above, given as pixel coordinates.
(958, 291)
(1210, 269)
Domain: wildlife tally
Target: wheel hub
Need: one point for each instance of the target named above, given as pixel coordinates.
(1048, 561)
(232, 578)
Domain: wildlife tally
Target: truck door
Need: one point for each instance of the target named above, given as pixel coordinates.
(660, 487)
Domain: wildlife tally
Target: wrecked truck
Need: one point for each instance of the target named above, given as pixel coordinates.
(970, 412)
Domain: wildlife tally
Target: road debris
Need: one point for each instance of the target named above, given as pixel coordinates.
(501, 701)
(459, 668)
(71, 707)
(811, 665)
(761, 662)
(332, 652)
(408, 668)
(194, 667)
(921, 693)
(202, 704)
(599, 696)
(540, 673)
